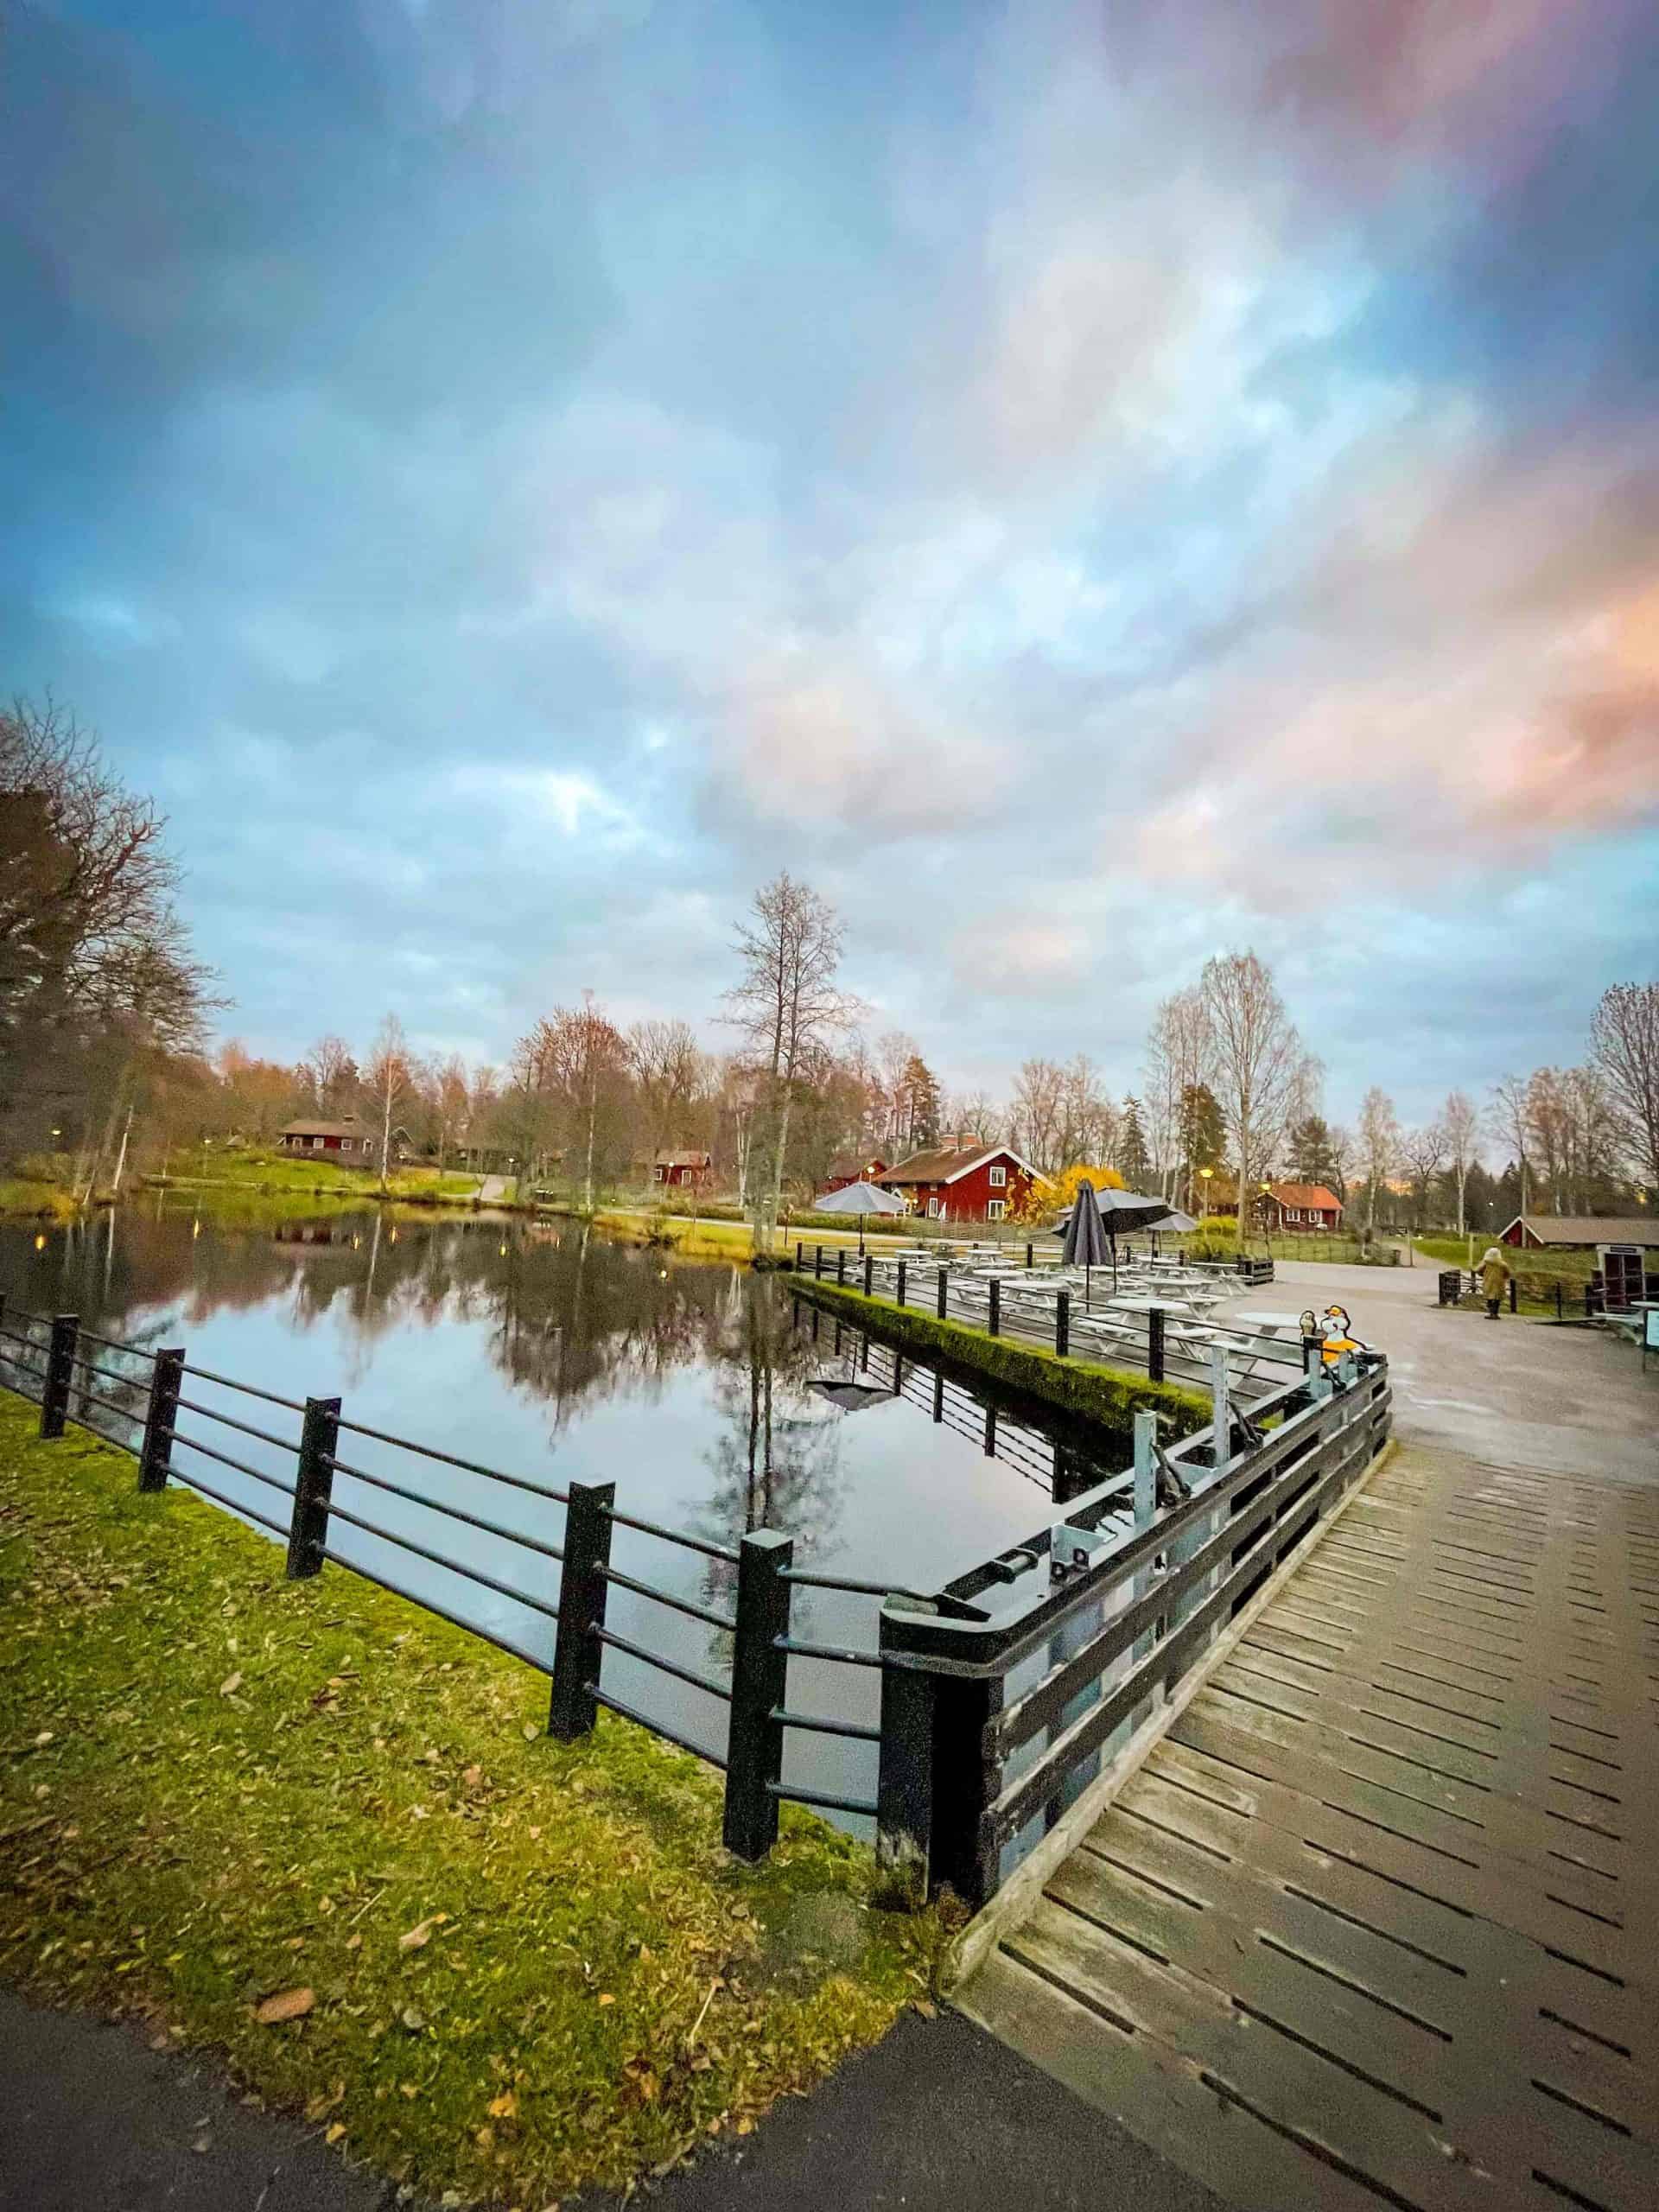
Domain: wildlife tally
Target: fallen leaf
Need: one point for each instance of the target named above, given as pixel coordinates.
(473, 1775)
(287, 2005)
(416, 1938)
(412, 2020)
(928, 2011)
(43, 1740)
(230, 1684)
(335, 2133)
(606, 1998)
(353, 1943)
(505, 2106)
(530, 1732)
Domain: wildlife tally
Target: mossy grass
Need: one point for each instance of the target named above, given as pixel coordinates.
(1109, 1396)
(533, 1968)
(29, 1197)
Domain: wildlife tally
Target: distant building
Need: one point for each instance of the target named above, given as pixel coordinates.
(1293, 1209)
(962, 1179)
(848, 1167)
(1580, 1232)
(686, 1171)
(346, 1141)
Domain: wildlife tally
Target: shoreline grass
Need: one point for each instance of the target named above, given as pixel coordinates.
(531, 1967)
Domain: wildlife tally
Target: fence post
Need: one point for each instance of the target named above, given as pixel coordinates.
(901, 1282)
(1512, 1293)
(60, 1373)
(869, 1277)
(755, 1754)
(571, 1711)
(1155, 1344)
(156, 1453)
(996, 1314)
(840, 1264)
(314, 1482)
(800, 1254)
(817, 1262)
(1063, 1323)
(1221, 1411)
(904, 1787)
(944, 1293)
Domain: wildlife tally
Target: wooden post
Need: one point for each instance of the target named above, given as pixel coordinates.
(800, 1254)
(901, 1282)
(869, 1266)
(944, 1293)
(1030, 1256)
(314, 1482)
(996, 1315)
(1063, 1323)
(840, 1264)
(156, 1453)
(755, 1754)
(1512, 1295)
(571, 1711)
(817, 1262)
(60, 1373)
(1155, 1344)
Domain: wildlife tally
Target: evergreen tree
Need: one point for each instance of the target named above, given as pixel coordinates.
(1309, 1152)
(1134, 1160)
(921, 1095)
(1202, 1132)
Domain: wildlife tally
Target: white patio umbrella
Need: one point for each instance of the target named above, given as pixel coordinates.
(861, 1198)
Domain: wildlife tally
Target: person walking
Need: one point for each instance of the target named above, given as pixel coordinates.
(1494, 1279)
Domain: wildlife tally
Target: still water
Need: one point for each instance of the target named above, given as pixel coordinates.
(715, 1400)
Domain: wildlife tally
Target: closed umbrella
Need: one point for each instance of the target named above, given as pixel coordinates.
(861, 1198)
(1085, 1244)
(1121, 1209)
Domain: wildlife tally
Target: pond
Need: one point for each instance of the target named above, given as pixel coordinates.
(714, 1399)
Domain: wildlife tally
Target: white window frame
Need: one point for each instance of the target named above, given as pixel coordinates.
(932, 1209)
(316, 1144)
(995, 1208)
(998, 1177)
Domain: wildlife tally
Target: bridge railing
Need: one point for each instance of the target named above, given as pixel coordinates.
(993, 1726)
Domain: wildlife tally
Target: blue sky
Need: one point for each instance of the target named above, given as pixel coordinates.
(1087, 486)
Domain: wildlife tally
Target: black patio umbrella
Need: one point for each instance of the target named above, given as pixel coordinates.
(1119, 1209)
(1085, 1244)
(861, 1198)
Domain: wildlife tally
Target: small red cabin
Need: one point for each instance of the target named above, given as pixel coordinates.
(1293, 1209)
(346, 1141)
(685, 1171)
(962, 1179)
(849, 1167)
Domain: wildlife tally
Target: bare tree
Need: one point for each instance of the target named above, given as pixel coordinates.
(1378, 1140)
(1624, 1046)
(1180, 1059)
(786, 1002)
(1462, 1126)
(387, 1078)
(1422, 1152)
(1511, 1122)
(451, 1103)
(1258, 1062)
(668, 1068)
(582, 1055)
(329, 1073)
(1035, 1115)
(973, 1114)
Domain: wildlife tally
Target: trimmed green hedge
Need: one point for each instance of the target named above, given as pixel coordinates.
(1078, 1386)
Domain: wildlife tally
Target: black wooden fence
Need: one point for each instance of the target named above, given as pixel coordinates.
(1001, 1692)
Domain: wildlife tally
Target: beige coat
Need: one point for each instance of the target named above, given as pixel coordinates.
(1494, 1274)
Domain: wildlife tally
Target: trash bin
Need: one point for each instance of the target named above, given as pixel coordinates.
(1450, 1283)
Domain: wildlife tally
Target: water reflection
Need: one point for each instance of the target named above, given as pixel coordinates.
(716, 1401)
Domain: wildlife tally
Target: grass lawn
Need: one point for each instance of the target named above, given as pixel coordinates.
(274, 1174)
(514, 1967)
(35, 1200)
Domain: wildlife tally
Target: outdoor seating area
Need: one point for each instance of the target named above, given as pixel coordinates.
(1159, 1315)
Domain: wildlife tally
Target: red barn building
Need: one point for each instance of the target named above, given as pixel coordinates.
(1289, 1209)
(345, 1142)
(849, 1167)
(962, 1179)
(683, 1171)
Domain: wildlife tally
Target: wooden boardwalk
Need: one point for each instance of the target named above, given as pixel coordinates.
(1377, 1922)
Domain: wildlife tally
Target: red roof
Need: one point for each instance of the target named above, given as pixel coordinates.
(1307, 1196)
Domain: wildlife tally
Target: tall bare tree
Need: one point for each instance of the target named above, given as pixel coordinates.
(451, 1103)
(1422, 1153)
(329, 1073)
(1510, 1117)
(668, 1071)
(582, 1055)
(1378, 1139)
(387, 1078)
(1180, 1059)
(1462, 1125)
(787, 1003)
(1259, 1059)
(1035, 1113)
(1624, 1046)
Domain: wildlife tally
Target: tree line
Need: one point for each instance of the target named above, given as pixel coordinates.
(105, 1009)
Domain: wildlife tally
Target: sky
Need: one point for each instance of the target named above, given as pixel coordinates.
(1085, 486)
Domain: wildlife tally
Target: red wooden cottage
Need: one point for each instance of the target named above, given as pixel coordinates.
(689, 1170)
(962, 1179)
(849, 1167)
(346, 1141)
(1290, 1209)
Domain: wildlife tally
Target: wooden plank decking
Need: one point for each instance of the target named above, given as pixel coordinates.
(1377, 1922)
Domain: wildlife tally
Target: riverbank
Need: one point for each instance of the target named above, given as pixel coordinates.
(1108, 1394)
(313, 1831)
